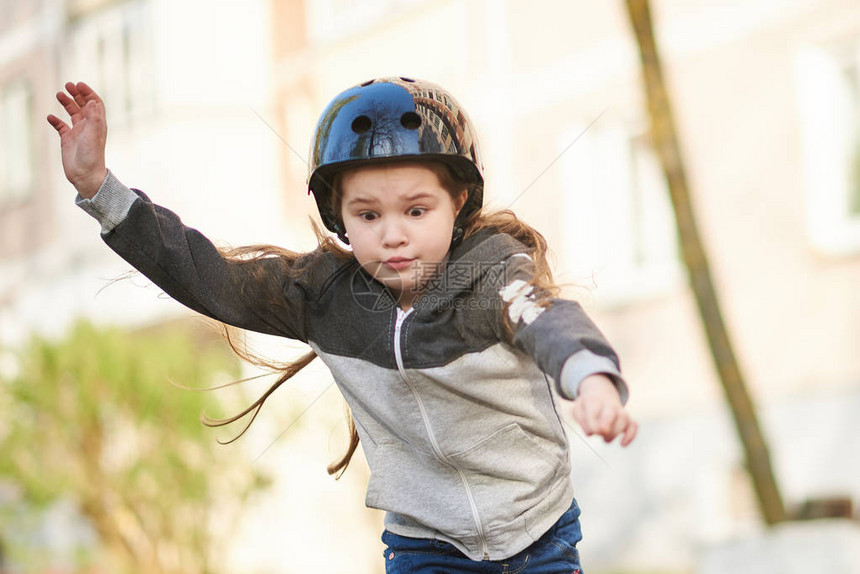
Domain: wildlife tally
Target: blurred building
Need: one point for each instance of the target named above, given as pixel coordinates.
(187, 87)
(211, 106)
(766, 97)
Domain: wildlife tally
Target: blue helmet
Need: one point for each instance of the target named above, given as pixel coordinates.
(392, 119)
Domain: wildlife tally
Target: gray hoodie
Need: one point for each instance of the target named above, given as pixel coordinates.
(458, 422)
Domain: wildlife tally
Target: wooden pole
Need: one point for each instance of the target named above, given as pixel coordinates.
(665, 141)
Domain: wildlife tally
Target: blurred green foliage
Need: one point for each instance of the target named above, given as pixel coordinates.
(93, 419)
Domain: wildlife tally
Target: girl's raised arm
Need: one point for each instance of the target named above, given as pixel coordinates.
(266, 294)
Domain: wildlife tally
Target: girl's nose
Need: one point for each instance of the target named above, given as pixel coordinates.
(393, 235)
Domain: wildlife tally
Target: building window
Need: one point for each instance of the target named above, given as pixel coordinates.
(828, 80)
(16, 144)
(112, 49)
(619, 226)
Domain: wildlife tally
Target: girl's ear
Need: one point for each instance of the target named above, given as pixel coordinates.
(460, 201)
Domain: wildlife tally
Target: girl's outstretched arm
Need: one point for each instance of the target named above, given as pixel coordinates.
(82, 144)
(265, 294)
(567, 346)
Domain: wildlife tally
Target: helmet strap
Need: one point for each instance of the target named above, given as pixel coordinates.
(457, 235)
(341, 233)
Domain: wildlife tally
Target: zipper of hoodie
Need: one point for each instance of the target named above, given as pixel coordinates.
(398, 357)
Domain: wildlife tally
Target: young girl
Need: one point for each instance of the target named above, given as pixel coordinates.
(439, 323)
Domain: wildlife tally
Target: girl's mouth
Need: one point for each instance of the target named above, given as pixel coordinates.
(398, 263)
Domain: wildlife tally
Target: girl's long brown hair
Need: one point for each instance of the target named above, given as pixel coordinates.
(504, 221)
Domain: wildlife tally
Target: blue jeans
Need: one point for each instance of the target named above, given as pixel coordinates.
(554, 553)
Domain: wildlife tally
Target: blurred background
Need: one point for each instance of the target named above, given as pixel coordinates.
(104, 466)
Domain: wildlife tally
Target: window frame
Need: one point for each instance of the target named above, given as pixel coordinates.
(618, 237)
(830, 133)
(11, 193)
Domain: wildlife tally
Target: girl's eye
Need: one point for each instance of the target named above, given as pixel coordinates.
(367, 216)
(417, 211)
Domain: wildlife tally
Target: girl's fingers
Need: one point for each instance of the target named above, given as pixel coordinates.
(82, 93)
(629, 433)
(88, 93)
(606, 422)
(71, 107)
(589, 415)
(609, 419)
(58, 124)
(72, 88)
(589, 420)
(615, 426)
(91, 110)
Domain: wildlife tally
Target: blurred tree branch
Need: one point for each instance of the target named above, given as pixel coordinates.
(665, 141)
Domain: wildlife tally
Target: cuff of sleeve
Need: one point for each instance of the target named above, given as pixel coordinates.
(584, 364)
(110, 205)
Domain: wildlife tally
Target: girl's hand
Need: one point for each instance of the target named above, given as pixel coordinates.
(82, 144)
(598, 410)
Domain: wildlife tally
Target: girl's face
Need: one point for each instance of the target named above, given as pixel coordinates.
(399, 220)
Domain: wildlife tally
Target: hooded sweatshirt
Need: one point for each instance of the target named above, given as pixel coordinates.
(457, 418)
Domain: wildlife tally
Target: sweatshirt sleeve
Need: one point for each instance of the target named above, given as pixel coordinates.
(561, 338)
(110, 205)
(266, 295)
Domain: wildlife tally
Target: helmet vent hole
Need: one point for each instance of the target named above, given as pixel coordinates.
(410, 80)
(367, 83)
(410, 120)
(361, 124)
